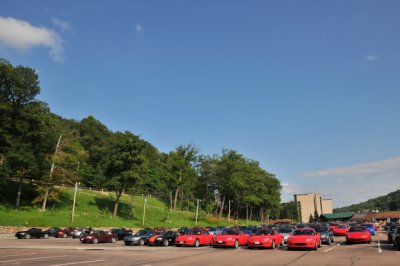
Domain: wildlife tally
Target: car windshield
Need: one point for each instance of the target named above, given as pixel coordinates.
(358, 229)
(367, 225)
(141, 232)
(230, 232)
(168, 233)
(265, 232)
(306, 232)
(320, 229)
(193, 232)
(285, 230)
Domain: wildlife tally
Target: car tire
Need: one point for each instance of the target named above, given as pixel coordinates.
(196, 243)
(329, 241)
(27, 236)
(45, 236)
(236, 244)
(141, 242)
(177, 245)
(113, 240)
(319, 244)
(95, 240)
(127, 244)
(282, 242)
(316, 246)
(165, 242)
(64, 236)
(273, 246)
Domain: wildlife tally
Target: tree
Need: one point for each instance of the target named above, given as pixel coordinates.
(180, 167)
(125, 165)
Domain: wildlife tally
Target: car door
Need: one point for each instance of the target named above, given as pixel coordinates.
(205, 238)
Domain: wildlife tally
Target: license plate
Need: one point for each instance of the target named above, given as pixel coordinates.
(220, 242)
(257, 243)
(180, 242)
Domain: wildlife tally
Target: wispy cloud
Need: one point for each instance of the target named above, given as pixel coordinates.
(62, 25)
(21, 35)
(378, 168)
(356, 183)
(139, 28)
(371, 57)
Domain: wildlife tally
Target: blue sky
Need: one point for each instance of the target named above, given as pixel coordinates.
(310, 89)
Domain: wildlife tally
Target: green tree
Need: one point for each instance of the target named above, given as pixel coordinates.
(126, 163)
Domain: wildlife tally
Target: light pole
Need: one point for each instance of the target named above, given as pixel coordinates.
(197, 210)
(144, 210)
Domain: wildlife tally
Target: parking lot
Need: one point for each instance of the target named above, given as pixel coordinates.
(71, 252)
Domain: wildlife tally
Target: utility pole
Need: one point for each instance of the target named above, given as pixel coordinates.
(197, 211)
(247, 214)
(76, 189)
(229, 210)
(144, 210)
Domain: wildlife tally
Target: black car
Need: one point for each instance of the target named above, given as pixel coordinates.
(52, 231)
(166, 239)
(33, 232)
(121, 232)
(396, 240)
(140, 238)
(391, 233)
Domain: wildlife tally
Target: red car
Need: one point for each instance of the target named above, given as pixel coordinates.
(61, 234)
(341, 230)
(230, 237)
(99, 236)
(304, 238)
(195, 237)
(358, 234)
(333, 225)
(266, 238)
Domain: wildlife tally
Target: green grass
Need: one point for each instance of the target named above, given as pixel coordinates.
(95, 209)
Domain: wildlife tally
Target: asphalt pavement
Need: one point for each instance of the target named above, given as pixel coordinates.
(62, 252)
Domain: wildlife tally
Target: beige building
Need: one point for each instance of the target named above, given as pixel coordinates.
(308, 204)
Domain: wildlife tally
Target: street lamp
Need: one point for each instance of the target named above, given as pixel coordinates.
(197, 210)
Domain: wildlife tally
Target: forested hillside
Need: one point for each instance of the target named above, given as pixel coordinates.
(41, 150)
(390, 202)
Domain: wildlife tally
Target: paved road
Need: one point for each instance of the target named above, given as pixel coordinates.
(63, 252)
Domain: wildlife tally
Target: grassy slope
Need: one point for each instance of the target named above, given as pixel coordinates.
(95, 209)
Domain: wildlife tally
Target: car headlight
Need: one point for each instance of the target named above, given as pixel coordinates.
(189, 238)
(229, 238)
(323, 235)
(291, 239)
(266, 239)
(159, 238)
(136, 238)
(309, 239)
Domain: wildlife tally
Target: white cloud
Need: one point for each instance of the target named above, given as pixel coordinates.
(371, 57)
(21, 35)
(378, 168)
(62, 25)
(139, 28)
(356, 183)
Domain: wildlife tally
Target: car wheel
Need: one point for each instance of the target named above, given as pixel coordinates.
(316, 245)
(319, 244)
(113, 240)
(197, 243)
(333, 240)
(236, 245)
(27, 236)
(177, 245)
(95, 241)
(64, 235)
(273, 244)
(141, 242)
(329, 241)
(45, 236)
(127, 244)
(282, 242)
(165, 243)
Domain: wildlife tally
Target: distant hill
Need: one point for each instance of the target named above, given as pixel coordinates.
(390, 202)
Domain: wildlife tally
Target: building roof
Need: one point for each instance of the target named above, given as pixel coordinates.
(375, 215)
(338, 215)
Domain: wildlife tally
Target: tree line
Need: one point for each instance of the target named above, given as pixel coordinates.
(41, 149)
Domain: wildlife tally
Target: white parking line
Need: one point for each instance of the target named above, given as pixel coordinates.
(39, 258)
(329, 249)
(17, 255)
(79, 262)
(379, 247)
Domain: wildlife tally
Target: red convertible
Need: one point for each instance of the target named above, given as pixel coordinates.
(266, 238)
(341, 230)
(230, 237)
(304, 238)
(99, 236)
(195, 237)
(358, 234)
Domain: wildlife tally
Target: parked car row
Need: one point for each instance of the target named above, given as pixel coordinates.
(310, 236)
